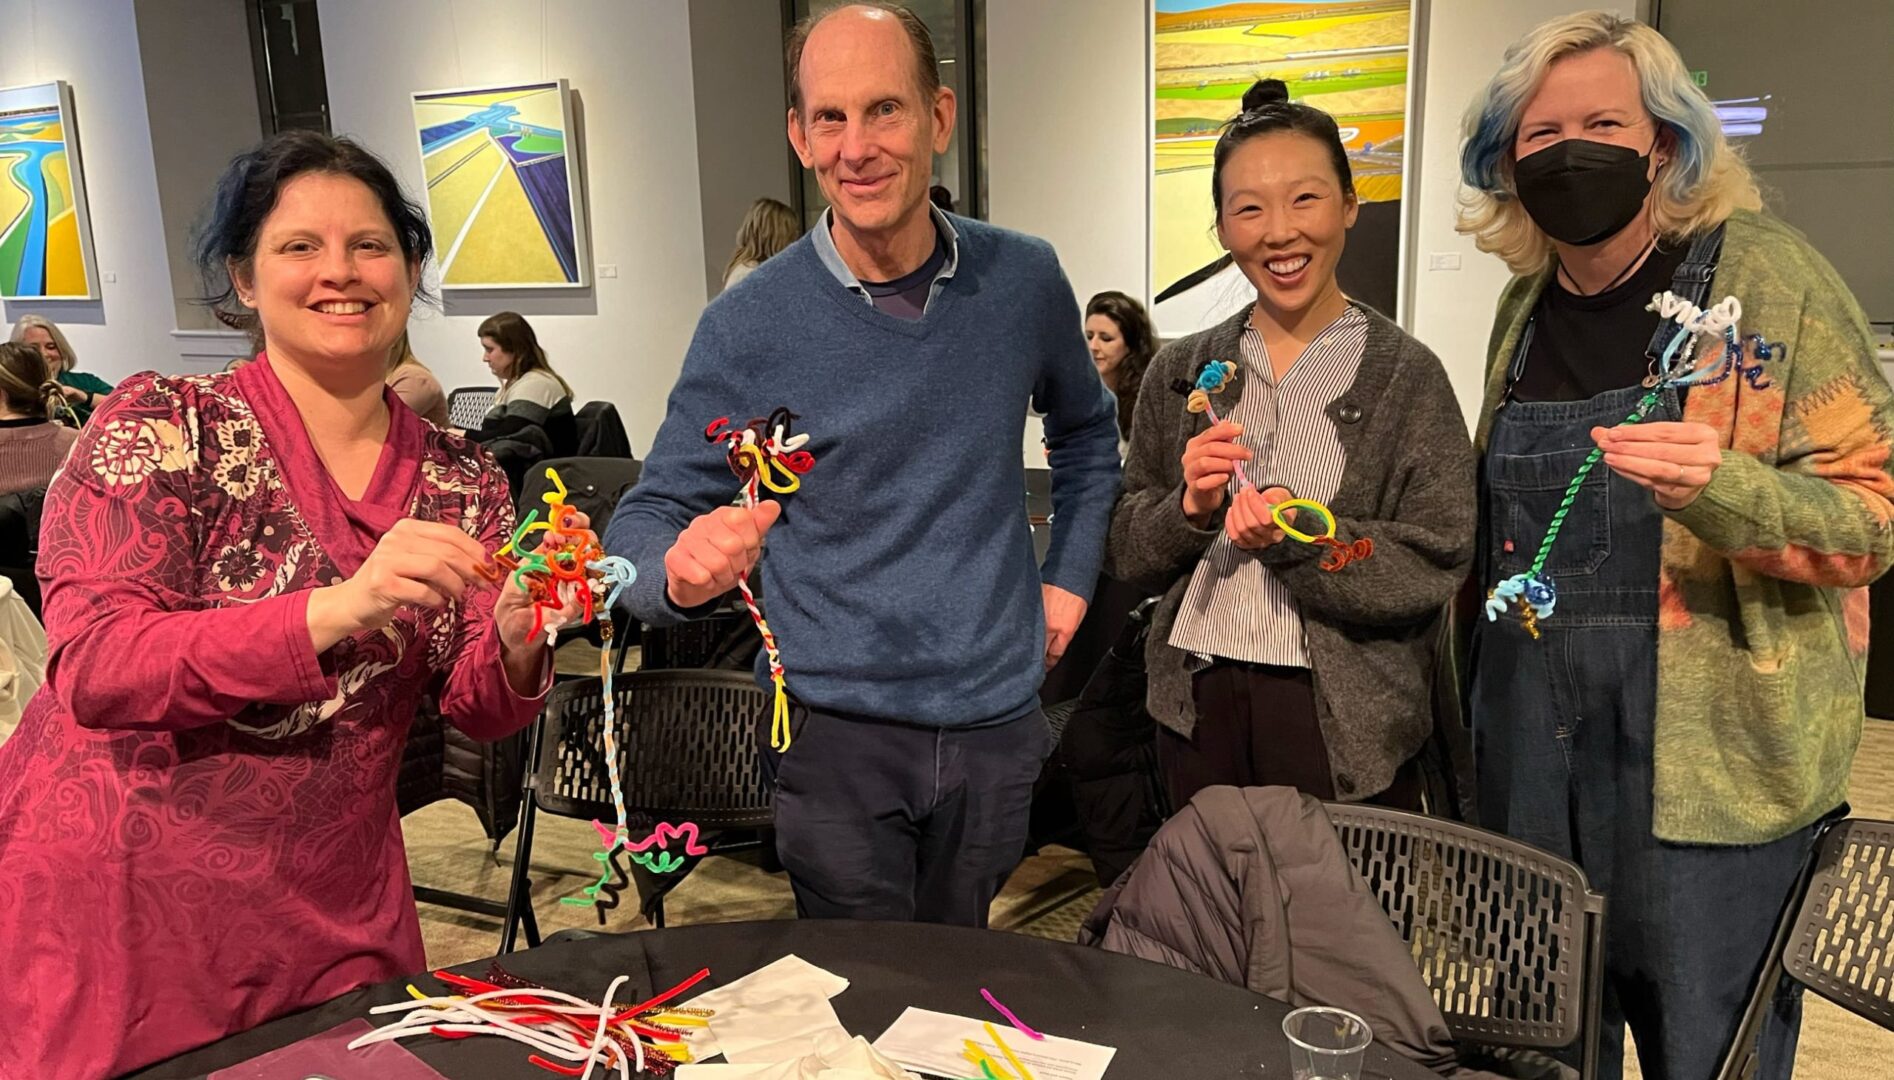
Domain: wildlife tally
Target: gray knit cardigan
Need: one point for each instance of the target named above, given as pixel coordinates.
(1409, 486)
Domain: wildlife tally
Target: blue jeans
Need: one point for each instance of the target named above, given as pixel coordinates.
(1562, 731)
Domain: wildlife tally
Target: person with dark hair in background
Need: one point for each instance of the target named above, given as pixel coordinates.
(32, 444)
(250, 579)
(83, 391)
(1122, 341)
(914, 627)
(941, 198)
(1265, 668)
(768, 228)
(531, 418)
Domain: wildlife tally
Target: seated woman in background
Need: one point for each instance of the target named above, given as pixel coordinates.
(531, 418)
(250, 580)
(1265, 668)
(768, 228)
(415, 385)
(32, 446)
(1122, 342)
(83, 392)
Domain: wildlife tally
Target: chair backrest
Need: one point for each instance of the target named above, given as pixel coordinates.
(601, 432)
(593, 484)
(1842, 943)
(1506, 936)
(467, 406)
(687, 748)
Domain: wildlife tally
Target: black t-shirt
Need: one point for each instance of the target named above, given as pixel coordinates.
(1583, 346)
(906, 296)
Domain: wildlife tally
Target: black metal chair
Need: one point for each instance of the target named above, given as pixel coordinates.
(687, 745)
(467, 406)
(1509, 938)
(1836, 936)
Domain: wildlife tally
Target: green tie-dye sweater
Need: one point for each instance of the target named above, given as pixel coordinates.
(1763, 601)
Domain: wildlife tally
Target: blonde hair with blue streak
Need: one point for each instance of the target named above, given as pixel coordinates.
(1702, 183)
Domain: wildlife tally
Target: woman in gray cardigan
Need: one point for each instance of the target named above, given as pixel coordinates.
(1265, 667)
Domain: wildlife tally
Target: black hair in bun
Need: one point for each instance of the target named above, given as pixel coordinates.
(1267, 110)
(1265, 93)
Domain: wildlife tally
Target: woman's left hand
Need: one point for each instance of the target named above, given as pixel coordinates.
(75, 395)
(1249, 524)
(1674, 461)
(513, 610)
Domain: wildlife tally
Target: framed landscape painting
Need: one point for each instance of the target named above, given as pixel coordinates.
(45, 233)
(502, 181)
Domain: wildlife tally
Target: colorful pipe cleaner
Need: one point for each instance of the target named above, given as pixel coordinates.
(764, 453)
(1534, 591)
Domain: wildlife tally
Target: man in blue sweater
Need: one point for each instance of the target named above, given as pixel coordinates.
(914, 626)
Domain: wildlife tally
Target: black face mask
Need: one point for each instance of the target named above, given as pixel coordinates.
(1581, 192)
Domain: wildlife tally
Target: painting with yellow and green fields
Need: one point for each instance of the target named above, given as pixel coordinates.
(45, 235)
(502, 184)
(1348, 58)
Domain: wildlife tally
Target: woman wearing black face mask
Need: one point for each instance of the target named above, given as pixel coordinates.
(1668, 689)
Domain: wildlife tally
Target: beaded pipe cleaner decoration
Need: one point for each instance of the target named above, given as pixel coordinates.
(1534, 590)
(1211, 379)
(568, 563)
(763, 452)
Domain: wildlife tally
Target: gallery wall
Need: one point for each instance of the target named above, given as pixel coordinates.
(93, 45)
(623, 337)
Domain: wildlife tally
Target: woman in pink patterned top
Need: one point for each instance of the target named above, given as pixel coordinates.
(249, 578)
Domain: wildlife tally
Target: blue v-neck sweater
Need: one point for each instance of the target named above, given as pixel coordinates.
(900, 581)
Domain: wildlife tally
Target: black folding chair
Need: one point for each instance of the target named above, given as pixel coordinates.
(1836, 936)
(1509, 938)
(467, 406)
(687, 747)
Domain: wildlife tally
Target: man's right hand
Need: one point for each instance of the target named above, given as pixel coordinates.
(1210, 458)
(715, 550)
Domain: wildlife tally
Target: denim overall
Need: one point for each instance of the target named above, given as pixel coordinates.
(1563, 728)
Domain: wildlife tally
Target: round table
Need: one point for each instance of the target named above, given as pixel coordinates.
(1163, 1022)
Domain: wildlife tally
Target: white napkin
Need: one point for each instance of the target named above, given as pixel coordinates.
(835, 1058)
(777, 1002)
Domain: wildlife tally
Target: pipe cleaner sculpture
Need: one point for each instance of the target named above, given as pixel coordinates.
(763, 453)
(566, 564)
(1534, 590)
(644, 1039)
(1211, 379)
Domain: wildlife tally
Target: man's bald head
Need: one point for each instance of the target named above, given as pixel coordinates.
(926, 64)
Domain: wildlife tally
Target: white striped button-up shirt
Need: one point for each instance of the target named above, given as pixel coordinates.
(1235, 607)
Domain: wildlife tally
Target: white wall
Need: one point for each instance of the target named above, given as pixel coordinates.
(1067, 139)
(737, 64)
(1067, 134)
(629, 61)
(93, 44)
(200, 116)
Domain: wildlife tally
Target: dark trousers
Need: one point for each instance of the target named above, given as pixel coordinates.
(881, 820)
(1257, 727)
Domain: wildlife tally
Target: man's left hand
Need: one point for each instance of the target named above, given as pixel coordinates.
(1674, 461)
(1064, 612)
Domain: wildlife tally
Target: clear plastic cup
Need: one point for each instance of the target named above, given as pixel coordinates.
(1326, 1044)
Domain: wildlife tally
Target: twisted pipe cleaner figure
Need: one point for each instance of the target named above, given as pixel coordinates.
(1534, 590)
(1213, 378)
(764, 453)
(568, 563)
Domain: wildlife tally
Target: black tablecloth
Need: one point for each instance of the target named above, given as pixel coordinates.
(1165, 1023)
